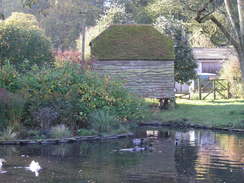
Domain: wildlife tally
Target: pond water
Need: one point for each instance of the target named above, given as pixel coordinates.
(177, 157)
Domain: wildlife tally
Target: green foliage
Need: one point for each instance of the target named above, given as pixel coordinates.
(22, 41)
(72, 95)
(9, 77)
(11, 110)
(201, 35)
(232, 73)
(8, 134)
(167, 8)
(102, 121)
(63, 20)
(60, 131)
(23, 20)
(86, 132)
(114, 15)
(136, 11)
(125, 42)
(185, 64)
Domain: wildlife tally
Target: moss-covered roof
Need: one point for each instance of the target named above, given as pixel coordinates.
(132, 42)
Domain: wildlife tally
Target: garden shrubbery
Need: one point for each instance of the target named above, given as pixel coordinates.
(71, 96)
(232, 73)
(23, 43)
(38, 94)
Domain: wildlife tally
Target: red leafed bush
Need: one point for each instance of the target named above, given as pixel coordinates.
(72, 56)
(69, 55)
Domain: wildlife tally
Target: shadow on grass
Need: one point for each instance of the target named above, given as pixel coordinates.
(226, 101)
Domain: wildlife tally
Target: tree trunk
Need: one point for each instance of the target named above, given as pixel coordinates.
(233, 20)
(240, 5)
(241, 60)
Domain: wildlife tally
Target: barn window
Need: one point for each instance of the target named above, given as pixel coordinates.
(211, 67)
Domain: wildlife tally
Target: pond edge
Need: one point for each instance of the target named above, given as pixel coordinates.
(188, 125)
(65, 140)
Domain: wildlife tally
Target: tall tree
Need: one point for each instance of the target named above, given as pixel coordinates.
(61, 19)
(185, 65)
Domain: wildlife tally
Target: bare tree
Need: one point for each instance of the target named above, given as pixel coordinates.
(235, 14)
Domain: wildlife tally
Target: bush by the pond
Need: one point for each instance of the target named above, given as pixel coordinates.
(68, 95)
(9, 77)
(60, 131)
(8, 134)
(23, 43)
(11, 109)
(232, 73)
(102, 121)
(86, 132)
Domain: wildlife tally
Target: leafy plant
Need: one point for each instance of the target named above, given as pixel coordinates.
(232, 73)
(185, 64)
(21, 40)
(8, 134)
(9, 77)
(60, 131)
(45, 117)
(11, 110)
(73, 94)
(86, 132)
(102, 121)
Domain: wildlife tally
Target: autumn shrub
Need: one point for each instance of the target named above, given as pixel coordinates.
(11, 110)
(68, 55)
(232, 73)
(23, 43)
(73, 94)
(9, 77)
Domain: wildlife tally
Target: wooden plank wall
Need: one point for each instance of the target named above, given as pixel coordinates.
(152, 79)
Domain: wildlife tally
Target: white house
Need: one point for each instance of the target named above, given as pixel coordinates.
(209, 60)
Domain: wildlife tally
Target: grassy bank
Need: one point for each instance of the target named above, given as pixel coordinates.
(219, 113)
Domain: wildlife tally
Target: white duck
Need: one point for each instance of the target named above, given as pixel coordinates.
(34, 167)
(1, 164)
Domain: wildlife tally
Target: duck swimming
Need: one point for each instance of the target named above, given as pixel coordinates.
(1, 164)
(137, 149)
(34, 167)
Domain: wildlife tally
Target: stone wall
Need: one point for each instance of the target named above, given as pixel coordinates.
(152, 79)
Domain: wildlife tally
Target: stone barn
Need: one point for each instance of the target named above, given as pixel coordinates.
(140, 56)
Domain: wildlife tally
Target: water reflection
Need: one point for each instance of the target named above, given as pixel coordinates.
(177, 157)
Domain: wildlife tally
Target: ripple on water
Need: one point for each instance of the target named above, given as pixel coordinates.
(177, 156)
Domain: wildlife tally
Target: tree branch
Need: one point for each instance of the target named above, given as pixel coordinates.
(229, 10)
(226, 33)
(202, 10)
(240, 5)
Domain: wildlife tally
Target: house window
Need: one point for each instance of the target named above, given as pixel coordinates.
(211, 67)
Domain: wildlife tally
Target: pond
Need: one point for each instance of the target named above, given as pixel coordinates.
(176, 156)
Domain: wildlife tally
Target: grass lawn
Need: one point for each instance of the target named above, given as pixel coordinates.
(219, 113)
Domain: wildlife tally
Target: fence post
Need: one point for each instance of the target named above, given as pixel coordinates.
(214, 88)
(228, 90)
(199, 89)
